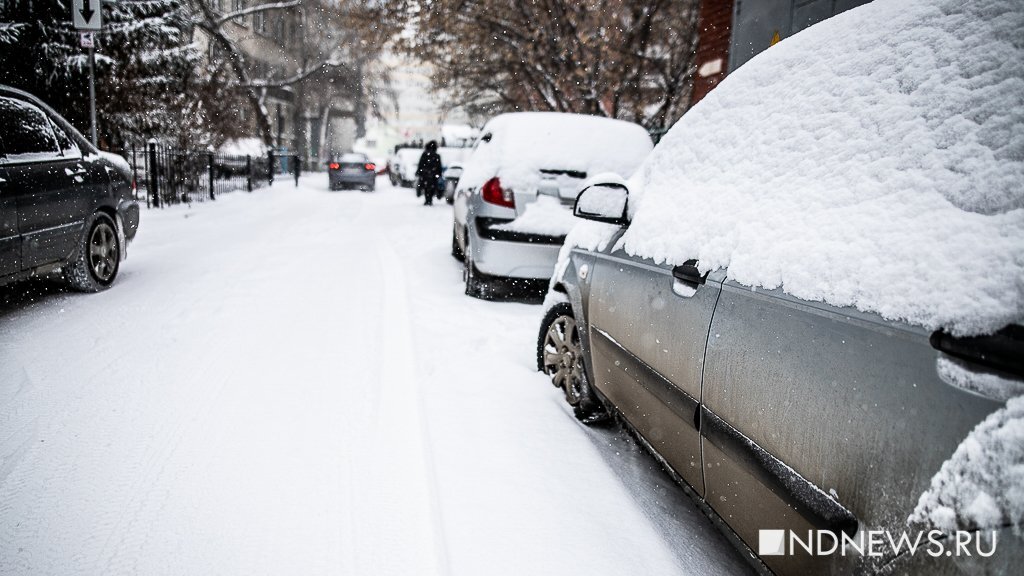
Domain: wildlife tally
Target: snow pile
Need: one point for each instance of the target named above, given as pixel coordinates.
(874, 160)
(545, 216)
(982, 484)
(243, 147)
(524, 143)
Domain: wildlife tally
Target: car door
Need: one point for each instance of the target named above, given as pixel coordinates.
(10, 241)
(54, 187)
(820, 418)
(647, 332)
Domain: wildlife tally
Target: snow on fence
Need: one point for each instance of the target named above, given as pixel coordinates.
(165, 175)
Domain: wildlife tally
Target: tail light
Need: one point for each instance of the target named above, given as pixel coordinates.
(495, 194)
(334, 165)
(370, 167)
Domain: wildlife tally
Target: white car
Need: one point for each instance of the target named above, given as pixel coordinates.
(512, 206)
(402, 166)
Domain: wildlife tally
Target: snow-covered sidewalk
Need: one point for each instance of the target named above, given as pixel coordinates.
(291, 382)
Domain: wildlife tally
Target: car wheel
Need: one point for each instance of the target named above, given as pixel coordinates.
(560, 356)
(456, 251)
(476, 285)
(98, 258)
(393, 179)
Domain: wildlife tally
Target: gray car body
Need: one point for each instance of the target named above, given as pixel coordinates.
(777, 413)
(352, 173)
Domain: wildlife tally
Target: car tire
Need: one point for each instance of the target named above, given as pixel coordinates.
(394, 180)
(560, 356)
(456, 251)
(97, 259)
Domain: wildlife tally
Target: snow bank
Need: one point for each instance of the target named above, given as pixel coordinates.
(523, 143)
(982, 484)
(243, 147)
(874, 160)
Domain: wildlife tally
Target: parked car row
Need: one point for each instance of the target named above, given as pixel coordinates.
(65, 207)
(806, 301)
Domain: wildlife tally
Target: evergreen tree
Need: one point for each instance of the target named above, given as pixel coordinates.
(146, 81)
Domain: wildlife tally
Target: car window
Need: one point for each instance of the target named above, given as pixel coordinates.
(28, 133)
(67, 146)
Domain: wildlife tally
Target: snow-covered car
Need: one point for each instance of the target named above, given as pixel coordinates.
(808, 301)
(512, 206)
(352, 170)
(64, 205)
(402, 166)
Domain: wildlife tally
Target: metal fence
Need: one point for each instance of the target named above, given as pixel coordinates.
(166, 175)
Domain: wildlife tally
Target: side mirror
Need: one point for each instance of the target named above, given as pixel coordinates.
(603, 202)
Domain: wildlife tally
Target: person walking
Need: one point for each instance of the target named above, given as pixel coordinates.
(428, 173)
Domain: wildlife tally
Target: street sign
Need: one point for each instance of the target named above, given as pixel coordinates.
(86, 14)
(85, 39)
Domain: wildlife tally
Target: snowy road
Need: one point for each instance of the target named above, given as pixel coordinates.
(291, 382)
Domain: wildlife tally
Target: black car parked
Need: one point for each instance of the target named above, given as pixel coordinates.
(64, 205)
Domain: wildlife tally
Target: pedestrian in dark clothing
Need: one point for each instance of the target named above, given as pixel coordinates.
(428, 173)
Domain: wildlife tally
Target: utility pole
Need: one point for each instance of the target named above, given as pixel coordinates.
(92, 93)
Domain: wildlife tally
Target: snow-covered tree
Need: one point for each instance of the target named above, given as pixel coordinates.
(328, 56)
(145, 64)
(616, 58)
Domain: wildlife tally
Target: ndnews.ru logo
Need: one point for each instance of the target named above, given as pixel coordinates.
(876, 543)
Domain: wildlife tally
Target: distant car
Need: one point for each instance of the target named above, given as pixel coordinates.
(64, 205)
(513, 200)
(402, 166)
(821, 334)
(352, 170)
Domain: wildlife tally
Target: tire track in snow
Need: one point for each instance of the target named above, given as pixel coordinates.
(399, 484)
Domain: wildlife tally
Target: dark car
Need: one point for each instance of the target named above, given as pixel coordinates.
(64, 205)
(352, 170)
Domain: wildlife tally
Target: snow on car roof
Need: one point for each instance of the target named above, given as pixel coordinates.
(523, 143)
(874, 160)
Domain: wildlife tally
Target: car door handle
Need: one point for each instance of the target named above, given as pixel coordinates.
(688, 274)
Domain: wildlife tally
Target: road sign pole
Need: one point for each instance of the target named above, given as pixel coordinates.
(89, 19)
(92, 94)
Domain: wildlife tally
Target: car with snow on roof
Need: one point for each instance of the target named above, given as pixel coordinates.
(64, 206)
(512, 205)
(807, 304)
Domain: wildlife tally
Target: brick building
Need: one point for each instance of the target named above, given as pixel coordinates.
(731, 32)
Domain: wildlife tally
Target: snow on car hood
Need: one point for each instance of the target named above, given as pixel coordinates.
(874, 160)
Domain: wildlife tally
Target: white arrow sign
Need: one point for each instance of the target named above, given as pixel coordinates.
(86, 14)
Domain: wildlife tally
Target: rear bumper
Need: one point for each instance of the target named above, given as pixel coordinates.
(512, 254)
(339, 178)
(128, 210)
